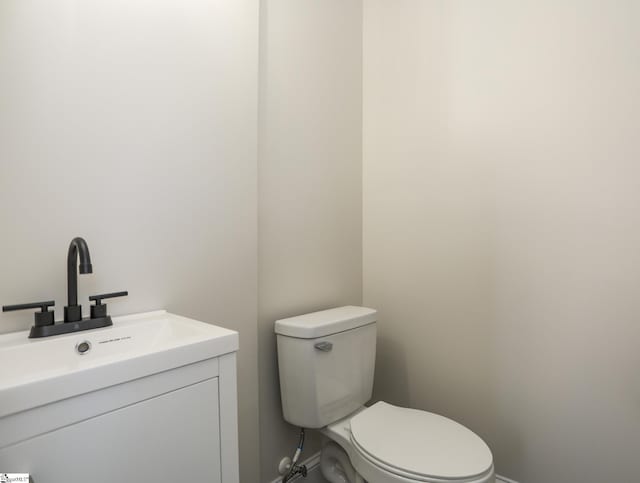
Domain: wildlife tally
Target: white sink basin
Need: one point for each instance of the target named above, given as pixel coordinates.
(35, 372)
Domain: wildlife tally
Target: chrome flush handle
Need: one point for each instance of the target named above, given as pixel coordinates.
(323, 346)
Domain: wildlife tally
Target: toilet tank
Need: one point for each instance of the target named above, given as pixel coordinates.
(326, 361)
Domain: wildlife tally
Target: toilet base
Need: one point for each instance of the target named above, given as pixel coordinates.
(335, 465)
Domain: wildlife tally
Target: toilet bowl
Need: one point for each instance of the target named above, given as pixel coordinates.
(326, 363)
(390, 444)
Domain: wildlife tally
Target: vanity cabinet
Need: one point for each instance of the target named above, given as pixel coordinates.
(171, 425)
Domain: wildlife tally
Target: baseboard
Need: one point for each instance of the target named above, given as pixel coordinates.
(312, 463)
(502, 479)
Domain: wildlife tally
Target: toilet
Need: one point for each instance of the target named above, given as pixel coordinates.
(326, 361)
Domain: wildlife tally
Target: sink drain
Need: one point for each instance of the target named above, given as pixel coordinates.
(83, 347)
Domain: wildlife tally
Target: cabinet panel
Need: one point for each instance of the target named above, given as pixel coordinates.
(172, 437)
(51, 417)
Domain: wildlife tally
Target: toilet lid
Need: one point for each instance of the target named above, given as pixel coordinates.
(419, 443)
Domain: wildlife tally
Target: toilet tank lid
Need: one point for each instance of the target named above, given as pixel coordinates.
(325, 322)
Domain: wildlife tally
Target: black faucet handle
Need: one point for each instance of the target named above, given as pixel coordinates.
(99, 310)
(98, 298)
(42, 318)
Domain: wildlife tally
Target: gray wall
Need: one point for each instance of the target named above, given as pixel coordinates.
(136, 130)
(501, 224)
(310, 251)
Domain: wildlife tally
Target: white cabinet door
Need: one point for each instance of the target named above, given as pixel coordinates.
(172, 437)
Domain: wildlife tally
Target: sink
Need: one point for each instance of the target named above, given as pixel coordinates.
(35, 372)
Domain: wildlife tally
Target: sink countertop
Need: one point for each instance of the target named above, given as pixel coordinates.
(35, 372)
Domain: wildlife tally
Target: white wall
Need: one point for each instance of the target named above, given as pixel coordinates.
(501, 228)
(310, 250)
(133, 124)
(500, 193)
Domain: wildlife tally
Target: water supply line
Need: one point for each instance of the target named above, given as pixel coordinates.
(296, 469)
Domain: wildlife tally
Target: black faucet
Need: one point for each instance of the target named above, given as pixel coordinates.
(78, 247)
(45, 325)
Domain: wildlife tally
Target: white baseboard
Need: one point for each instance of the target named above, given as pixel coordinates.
(313, 463)
(502, 479)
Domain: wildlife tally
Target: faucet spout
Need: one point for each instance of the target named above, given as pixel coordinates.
(77, 248)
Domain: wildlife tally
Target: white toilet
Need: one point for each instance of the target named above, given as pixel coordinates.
(326, 361)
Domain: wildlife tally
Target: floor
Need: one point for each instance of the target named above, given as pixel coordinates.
(314, 477)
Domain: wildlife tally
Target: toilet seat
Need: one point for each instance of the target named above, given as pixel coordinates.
(418, 445)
